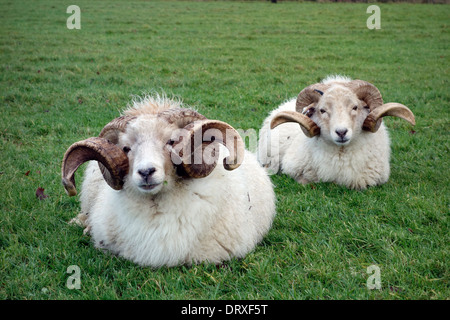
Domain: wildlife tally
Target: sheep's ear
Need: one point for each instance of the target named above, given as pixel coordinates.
(374, 118)
(309, 127)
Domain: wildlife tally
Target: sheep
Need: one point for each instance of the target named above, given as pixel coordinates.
(339, 138)
(170, 187)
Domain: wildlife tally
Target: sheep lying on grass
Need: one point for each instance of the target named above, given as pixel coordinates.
(332, 132)
(171, 187)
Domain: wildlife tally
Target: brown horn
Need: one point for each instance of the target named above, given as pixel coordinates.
(108, 154)
(111, 132)
(371, 95)
(181, 116)
(309, 96)
(112, 161)
(198, 148)
(112, 129)
(366, 92)
(304, 106)
(373, 119)
(309, 127)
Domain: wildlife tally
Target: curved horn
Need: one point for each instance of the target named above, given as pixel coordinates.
(112, 129)
(112, 161)
(304, 106)
(366, 92)
(310, 95)
(181, 116)
(108, 154)
(198, 148)
(309, 127)
(373, 119)
(371, 95)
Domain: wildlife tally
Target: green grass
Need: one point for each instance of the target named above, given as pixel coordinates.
(235, 62)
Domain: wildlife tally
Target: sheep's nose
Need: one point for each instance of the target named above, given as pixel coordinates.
(145, 173)
(341, 132)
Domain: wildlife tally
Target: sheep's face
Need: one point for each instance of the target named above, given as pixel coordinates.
(339, 114)
(147, 142)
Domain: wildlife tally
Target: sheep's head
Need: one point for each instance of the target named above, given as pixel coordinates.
(146, 151)
(339, 111)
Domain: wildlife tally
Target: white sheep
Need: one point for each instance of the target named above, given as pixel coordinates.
(332, 132)
(160, 194)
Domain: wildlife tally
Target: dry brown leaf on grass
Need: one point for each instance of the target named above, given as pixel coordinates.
(40, 194)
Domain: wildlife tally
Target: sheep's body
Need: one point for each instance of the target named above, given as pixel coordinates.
(214, 218)
(361, 163)
(365, 162)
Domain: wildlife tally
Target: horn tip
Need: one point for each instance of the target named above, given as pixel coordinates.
(69, 187)
(230, 166)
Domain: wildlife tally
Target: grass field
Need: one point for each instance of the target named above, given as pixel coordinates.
(234, 61)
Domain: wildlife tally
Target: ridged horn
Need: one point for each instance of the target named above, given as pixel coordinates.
(309, 127)
(105, 152)
(197, 151)
(373, 119)
(372, 97)
(366, 92)
(309, 96)
(113, 128)
(112, 161)
(181, 116)
(304, 106)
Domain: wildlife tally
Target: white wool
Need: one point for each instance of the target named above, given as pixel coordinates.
(285, 149)
(213, 219)
(336, 78)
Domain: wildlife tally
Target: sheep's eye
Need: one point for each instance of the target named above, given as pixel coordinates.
(322, 111)
(170, 142)
(366, 107)
(126, 149)
(355, 108)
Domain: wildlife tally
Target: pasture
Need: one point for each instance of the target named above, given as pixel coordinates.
(233, 61)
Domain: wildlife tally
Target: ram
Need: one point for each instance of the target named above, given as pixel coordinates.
(170, 187)
(332, 132)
